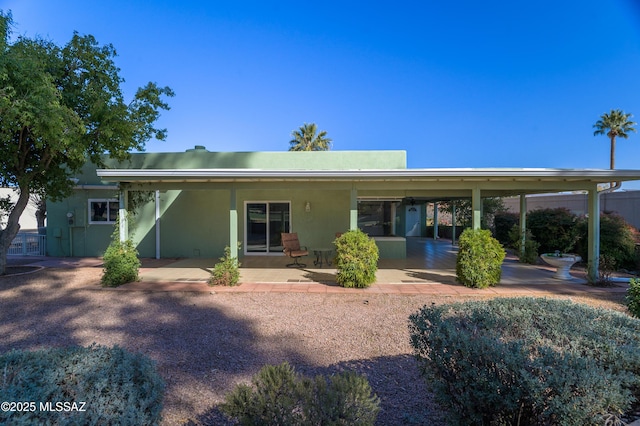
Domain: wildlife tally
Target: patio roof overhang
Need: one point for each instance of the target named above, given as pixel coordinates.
(439, 174)
(495, 181)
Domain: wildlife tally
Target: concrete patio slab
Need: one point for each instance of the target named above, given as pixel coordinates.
(428, 269)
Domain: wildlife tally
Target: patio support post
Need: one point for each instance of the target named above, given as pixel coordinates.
(233, 224)
(122, 215)
(353, 210)
(476, 204)
(523, 223)
(435, 221)
(453, 222)
(157, 224)
(594, 234)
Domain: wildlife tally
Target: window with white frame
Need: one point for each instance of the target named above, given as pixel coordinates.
(103, 211)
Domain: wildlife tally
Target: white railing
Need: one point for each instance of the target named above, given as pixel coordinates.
(28, 245)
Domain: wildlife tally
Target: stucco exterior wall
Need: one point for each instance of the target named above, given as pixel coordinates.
(75, 236)
(192, 224)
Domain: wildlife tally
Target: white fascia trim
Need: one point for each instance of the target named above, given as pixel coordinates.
(459, 173)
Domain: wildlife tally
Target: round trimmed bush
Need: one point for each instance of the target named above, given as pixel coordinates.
(479, 259)
(280, 396)
(633, 297)
(121, 264)
(356, 259)
(529, 361)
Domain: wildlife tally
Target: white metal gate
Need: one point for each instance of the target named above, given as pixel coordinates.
(26, 244)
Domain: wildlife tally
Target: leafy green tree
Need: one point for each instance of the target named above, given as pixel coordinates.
(61, 106)
(307, 138)
(614, 124)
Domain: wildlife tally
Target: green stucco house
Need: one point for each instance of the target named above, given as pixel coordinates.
(197, 202)
(196, 216)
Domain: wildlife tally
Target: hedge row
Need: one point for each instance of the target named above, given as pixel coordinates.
(559, 229)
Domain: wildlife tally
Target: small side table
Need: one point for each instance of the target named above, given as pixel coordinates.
(323, 255)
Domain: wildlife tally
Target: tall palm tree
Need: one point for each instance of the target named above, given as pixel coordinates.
(306, 139)
(614, 124)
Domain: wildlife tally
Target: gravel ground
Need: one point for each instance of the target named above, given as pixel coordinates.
(206, 343)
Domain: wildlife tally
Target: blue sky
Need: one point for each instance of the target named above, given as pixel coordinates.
(455, 84)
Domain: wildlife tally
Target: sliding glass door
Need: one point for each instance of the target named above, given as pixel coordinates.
(264, 223)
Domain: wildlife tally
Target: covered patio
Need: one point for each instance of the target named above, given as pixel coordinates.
(428, 269)
(201, 201)
(426, 184)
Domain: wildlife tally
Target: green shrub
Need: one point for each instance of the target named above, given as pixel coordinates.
(479, 259)
(553, 229)
(116, 386)
(530, 245)
(607, 265)
(279, 396)
(227, 271)
(356, 259)
(345, 399)
(617, 240)
(504, 222)
(121, 264)
(529, 361)
(633, 297)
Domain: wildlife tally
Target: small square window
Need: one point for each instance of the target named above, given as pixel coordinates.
(103, 211)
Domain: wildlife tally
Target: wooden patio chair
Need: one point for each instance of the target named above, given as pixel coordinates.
(292, 248)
